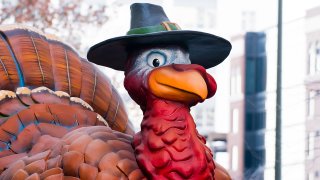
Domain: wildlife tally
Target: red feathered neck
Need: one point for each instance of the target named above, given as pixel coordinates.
(169, 146)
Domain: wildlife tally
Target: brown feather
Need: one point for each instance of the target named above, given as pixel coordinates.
(74, 63)
(59, 67)
(116, 114)
(102, 95)
(9, 78)
(89, 82)
(32, 54)
(46, 61)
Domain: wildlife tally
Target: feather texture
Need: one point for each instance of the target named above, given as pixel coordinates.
(9, 77)
(56, 110)
(33, 59)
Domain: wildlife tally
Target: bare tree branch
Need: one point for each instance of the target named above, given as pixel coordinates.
(66, 19)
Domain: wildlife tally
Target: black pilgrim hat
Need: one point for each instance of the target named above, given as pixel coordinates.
(151, 27)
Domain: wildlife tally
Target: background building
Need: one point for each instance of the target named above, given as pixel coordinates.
(246, 139)
(293, 90)
(255, 111)
(312, 82)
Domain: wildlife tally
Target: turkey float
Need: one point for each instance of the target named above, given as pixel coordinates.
(60, 117)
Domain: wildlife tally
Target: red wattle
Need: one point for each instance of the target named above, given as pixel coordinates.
(169, 146)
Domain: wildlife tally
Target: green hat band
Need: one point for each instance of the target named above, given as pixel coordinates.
(164, 26)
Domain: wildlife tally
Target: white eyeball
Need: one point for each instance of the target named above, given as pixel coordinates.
(156, 59)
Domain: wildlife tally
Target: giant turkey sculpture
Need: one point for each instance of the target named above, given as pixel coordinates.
(163, 75)
(60, 118)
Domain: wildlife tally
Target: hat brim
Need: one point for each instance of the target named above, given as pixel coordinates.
(205, 49)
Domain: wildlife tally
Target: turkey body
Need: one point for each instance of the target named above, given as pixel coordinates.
(60, 117)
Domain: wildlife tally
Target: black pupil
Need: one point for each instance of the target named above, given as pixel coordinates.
(155, 62)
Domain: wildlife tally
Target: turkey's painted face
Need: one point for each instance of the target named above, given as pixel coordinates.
(167, 73)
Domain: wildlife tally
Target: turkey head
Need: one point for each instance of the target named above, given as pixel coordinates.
(165, 84)
(166, 73)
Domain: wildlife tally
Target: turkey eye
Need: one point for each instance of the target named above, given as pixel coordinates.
(155, 62)
(156, 59)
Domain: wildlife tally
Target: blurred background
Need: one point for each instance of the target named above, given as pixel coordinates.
(239, 121)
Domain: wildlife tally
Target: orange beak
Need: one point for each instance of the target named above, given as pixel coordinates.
(182, 83)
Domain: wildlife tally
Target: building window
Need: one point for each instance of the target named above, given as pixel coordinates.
(317, 56)
(199, 117)
(236, 81)
(232, 84)
(210, 117)
(234, 158)
(248, 20)
(201, 18)
(310, 145)
(311, 102)
(211, 19)
(235, 120)
(310, 176)
(314, 57)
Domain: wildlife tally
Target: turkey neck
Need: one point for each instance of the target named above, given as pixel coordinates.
(169, 146)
